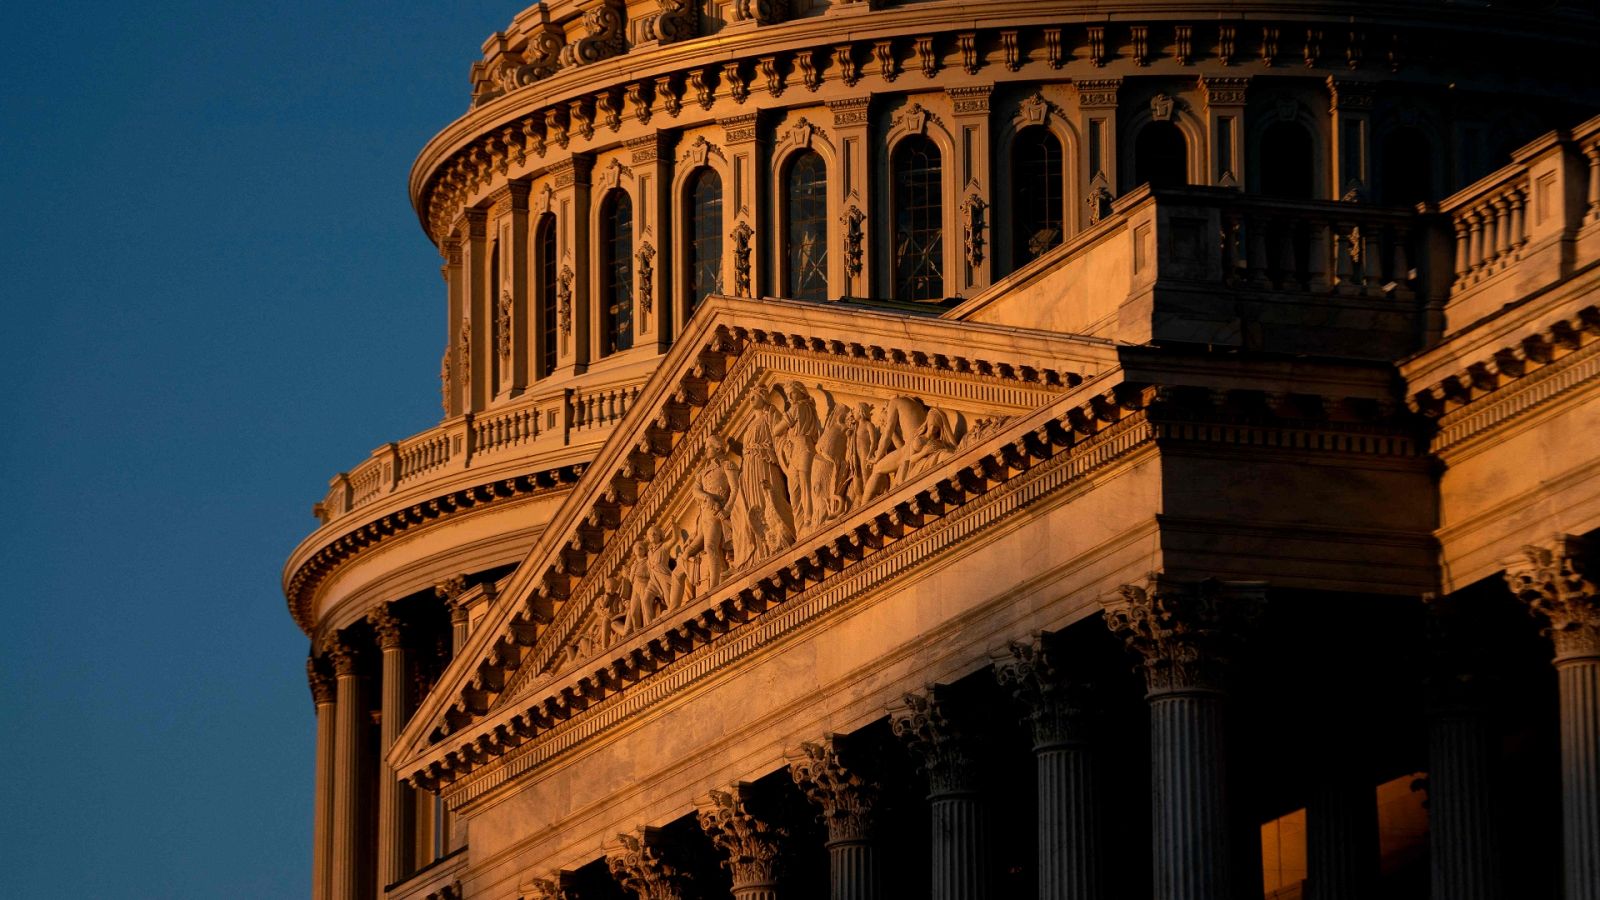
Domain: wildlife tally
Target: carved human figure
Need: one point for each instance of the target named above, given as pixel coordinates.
(796, 429)
(863, 444)
(830, 470)
(706, 547)
(762, 486)
(666, 585)
(740, 530)
(903, 418)
(642, 595)
(938, 437)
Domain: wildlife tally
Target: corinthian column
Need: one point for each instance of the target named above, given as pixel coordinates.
(1463, 830)
(636, 862)
(1184, 634)
(322, 695)
(945, 753)
(1069, 853)
(345, 871)
(846, 800)
(751, 844)
(1556, 581)
(395, 801)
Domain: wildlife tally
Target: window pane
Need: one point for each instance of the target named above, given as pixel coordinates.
(616, 270)
(807, 232)
(1036, 189)
(547, 293)
(705, 236)
(918, 221)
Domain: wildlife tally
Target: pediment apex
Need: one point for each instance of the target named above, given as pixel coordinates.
(767, 420)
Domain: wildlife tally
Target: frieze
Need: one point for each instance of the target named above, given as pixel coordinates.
(739, 129)
(849, 112)
(1098, 93)
(970, 99)
(1224, 91)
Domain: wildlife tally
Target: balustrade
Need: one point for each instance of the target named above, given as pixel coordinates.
(1318, 247)
(1490, 231)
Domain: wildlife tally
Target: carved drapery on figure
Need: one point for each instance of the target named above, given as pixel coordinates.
(749, 843)
(1556, 580)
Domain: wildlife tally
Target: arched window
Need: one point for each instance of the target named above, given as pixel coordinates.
(545, 239)
(1161, 156)
(1288, 162)
(1406, 176)
(1036, 194)
(616, 271)
(805, 192)
(918, 220)
(704, 217)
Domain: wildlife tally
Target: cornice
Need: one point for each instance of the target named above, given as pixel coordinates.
(1512, 380)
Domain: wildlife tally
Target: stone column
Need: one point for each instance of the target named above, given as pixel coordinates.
(455, 368)
(395, 799)
(1341, 831)
(322, 695)
(636, 860)
(750, 844)
(345, 881)
(558, 885)
(451, 592)
(946, 753)
(1184, 633)
(846, 800)
(1463, 830)
(1069, 847)
(1557, 583)
(477, 347)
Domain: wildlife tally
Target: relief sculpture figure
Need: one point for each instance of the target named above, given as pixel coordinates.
(796, 429)
(830, 469)
(705, 550)
(761, 485)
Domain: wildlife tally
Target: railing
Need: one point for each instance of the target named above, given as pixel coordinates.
(540, 423)
(1321, 248)
(1490, 230)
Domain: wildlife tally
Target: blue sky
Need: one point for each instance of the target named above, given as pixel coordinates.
(215, 297)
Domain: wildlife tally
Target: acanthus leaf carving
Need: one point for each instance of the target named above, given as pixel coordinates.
(604, 37)
(854, 239)
(502, 334)
(972, 227)
(646, 255)
(741, 235)
(564, 300)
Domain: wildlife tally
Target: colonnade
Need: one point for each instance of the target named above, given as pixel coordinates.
(1185, 636)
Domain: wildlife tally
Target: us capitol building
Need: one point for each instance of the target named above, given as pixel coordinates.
(901, 449)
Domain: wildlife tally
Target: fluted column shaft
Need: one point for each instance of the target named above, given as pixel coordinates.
(960, 848)
(844, 800)
(345, 870)
(1556, 580)
(322, 689)
(395, 801)
(1463, 840)
(1341, 836)
(1184, 633)
(852, 870)
(1579, 684)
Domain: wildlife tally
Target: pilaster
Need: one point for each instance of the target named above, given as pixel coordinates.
(396, 802)
(571, 203)
(750, 268)
(1350, 105)
(749, 843)
(478, 346)
(845, 800)
(974, 202)
(1097, 122)
(1224, 110)
(513, 331)
(1184, 634)
(346, 875)
(1556, 581)
(851, 262)
(1057, 715)
(455, 368)
(651, 158)
(946, 752)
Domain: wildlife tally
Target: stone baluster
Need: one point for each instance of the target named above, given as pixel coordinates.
(1517, 200)
(1556, 580)
(395, 800)
(1463, 265)
(323, 696)
(1502, 228)
(1475, 252)
(637, 862)
(846, 801)
(1057, 715)
(1184, 634)
(1463, 831)
(345, 876)
(946, 752)
(751, 844)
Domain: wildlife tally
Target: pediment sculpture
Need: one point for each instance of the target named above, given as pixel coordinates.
(802, 456)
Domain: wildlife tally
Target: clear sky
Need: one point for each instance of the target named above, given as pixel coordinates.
(215, 297)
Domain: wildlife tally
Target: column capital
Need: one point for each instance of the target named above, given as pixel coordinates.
(344, 657)
(1556, 580)
(387, 626)
(750, 844)
(557, 885)
(846, 799)
(922, 719)
(322, 685)
(1057, 706)
(1184, 632)
(636, 863)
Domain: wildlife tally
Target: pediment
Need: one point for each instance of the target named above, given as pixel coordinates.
(768, 427)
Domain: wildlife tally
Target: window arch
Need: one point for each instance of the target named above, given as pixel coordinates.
(918, 204)
(545, 254)
(1288, 162)
(616, 271)
(704, 216)
(1037, 189)
(805, 192)
(1161, 156)
(1407, 174)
